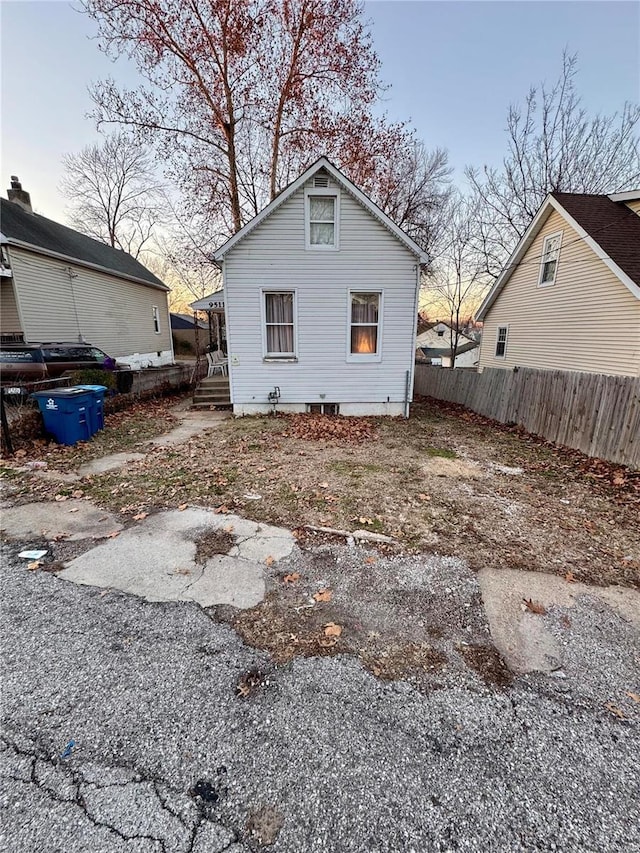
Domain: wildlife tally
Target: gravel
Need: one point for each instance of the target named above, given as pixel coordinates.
(347, 762)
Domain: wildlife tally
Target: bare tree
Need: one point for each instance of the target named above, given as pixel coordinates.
(553, 145)
(241, 95)
(457, 280)
(114, 193)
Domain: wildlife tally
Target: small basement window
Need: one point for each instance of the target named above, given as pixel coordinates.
(549, 263)
(323, 408)
(501, 341)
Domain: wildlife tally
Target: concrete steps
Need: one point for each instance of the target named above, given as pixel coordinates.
(213, 391)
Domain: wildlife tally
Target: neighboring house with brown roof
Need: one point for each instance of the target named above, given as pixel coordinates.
(57, 284)
(569, 298)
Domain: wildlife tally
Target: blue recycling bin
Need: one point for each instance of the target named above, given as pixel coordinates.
(97, 409)
(67, 413)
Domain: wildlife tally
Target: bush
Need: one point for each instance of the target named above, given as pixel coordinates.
(94, 376)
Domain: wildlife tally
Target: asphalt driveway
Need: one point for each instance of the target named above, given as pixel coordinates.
(319, 756)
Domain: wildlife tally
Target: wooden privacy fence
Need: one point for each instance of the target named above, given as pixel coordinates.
(597, 414)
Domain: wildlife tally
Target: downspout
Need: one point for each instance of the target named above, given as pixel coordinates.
(72, 274)
(409, 380)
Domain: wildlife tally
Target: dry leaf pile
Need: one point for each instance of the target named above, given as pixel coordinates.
(331, 428)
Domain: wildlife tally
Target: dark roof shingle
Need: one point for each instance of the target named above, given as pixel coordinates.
(613, 225)
(42, 233)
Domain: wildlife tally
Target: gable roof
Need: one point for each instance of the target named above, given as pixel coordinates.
(185, 321)
(447, 352)
(608, 227)
(346, 184)
(39, 234)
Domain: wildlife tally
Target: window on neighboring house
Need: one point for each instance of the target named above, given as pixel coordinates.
(322, 219)
(501, 341)
(364, 324)
(550, 253)
(280, 331)
(156, 319)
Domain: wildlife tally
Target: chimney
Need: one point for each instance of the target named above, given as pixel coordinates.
(19, 196)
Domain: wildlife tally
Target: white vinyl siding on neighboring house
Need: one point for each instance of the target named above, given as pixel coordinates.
(588, 321)
(59, 301)
(274, 257)
(9, 317)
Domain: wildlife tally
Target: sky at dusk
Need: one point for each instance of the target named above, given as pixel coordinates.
(453, 69)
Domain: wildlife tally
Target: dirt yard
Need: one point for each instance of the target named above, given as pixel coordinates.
(445, 481)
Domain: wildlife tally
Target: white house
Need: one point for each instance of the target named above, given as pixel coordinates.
(433, 345)
(320, 296)
(57, 284)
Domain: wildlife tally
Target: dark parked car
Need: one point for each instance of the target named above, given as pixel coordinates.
(25, 363)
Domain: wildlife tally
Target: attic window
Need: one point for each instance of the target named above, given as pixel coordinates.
(321, 181)
(322, 219)
(549, 262)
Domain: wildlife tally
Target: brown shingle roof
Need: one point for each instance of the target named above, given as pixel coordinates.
(613, 225)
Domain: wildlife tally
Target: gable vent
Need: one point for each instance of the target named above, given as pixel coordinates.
(321, 181)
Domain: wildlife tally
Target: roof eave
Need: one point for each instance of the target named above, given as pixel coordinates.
(38, 250)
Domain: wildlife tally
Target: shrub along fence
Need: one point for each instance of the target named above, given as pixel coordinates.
(591, 412)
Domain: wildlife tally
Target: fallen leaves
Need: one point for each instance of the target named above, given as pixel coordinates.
(60, 498)
(332, 630)
(34, 565)
(269, 560)
(323, 595)
(613, 709)
(634, 696)
(291, 578)
(534, 606)
(182, 507)
(314, 427)
(570, 577)
(140, 516)
(249, 683)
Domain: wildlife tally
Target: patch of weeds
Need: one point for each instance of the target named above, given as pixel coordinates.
(263, 825)
(9, 473)
(211, 543)
(488, 663)
(350, 467)
(440, 451)
(398, 661)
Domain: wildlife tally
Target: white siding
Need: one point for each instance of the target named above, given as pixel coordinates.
(9, 317)
(586, 321)
(112, 313)
(274, 255)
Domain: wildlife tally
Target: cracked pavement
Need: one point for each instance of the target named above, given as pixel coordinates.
(350, 763)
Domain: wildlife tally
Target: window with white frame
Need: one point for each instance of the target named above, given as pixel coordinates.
(156, 319)
(364, 324)
(322, 216)
(280, 329)
(501, 341)
(549, 263)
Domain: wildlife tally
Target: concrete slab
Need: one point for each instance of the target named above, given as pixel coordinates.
(76, 519)
(108, 463)
(192, 423)
(228, 580)
(521, 636)
(156, 560)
